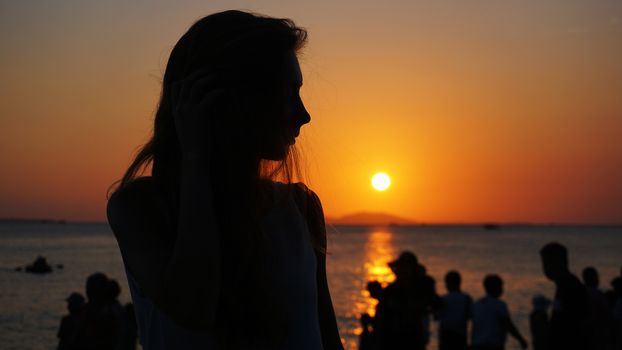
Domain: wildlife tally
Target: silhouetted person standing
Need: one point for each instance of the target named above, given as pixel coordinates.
(101, 327)
(375, 289)
(491, 319)
(402, 306)
(426, 292)
(570, 304)
(119, 313)
(366, 339)
(454, 315)
(599, 318)
(70, 324)
(539, 323)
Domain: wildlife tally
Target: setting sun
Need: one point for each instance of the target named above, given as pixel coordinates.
(380, 181)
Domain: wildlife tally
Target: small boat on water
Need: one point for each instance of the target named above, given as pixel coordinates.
(40, 265)
(491, 227)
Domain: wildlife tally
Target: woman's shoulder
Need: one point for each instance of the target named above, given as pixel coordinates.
(134, 201)
(281, 192)
(138, 187)
(309, 205)
(303, 193)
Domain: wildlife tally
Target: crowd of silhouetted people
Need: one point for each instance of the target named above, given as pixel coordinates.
(100, 322)
(581, 316)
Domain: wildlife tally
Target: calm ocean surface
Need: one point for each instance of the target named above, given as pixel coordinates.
(31, 305)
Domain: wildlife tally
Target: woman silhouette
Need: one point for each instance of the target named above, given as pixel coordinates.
(218, 254)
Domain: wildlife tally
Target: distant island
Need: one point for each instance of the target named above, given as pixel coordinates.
(370, 219)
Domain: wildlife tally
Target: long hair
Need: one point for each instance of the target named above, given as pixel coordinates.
(246, 51)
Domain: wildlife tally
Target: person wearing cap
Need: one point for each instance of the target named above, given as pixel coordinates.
(70, 324)
(398, 323)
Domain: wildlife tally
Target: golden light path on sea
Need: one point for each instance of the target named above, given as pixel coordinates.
(379, 252)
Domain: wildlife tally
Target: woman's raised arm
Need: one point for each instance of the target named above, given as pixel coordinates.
(183, 279)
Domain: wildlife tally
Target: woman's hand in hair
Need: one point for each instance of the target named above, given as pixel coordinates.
(192, 100)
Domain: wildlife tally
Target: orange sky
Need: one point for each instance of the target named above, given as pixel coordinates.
(479, 110)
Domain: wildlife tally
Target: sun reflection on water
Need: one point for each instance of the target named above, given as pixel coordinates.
(379, 252)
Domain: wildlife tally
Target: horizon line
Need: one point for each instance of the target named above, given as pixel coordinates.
(330, 222)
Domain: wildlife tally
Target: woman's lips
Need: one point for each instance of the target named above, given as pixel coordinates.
(292, 137)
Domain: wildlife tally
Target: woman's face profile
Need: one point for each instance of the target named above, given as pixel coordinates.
(283, 128)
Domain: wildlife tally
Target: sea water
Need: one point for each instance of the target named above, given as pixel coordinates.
(31, 305)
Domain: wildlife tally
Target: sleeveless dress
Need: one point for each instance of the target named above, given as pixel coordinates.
(293, 262)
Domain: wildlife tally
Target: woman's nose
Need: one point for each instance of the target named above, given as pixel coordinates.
(303, 115)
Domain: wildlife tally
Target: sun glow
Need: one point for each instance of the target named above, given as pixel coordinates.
(380, 181)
